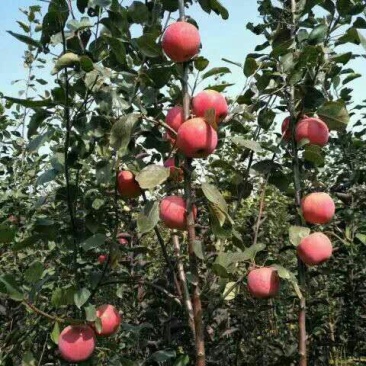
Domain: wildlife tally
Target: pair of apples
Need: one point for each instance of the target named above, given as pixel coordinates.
(76, 343)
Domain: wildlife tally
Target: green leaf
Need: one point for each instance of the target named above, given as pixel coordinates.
(216, 71)
(28, 359)
(250, 66)
(182, 360)
(248, 144)
(152, 176)
(55, 334)
(63, 296)
(162, 356)
(138, 12)
(90, 313)
(86, 64)
(11, 288)
(95, 241)
(26, 243)
(98, 324)
(34, 272)
(318, 34)
(36, 120)
(29, 103)
(219, 9)
(232, 294)
(148, 46)
(47, 176)
(314, 154)
(297, 233)
(200, 63)
(68, 59)
(25, 39)
(118, 49)
(351, 77)
(334, 114)
(265, 118)
(81, 297)
(197, 248)
(266, 166)
(289, 276)
(7, 234)
(214, 196)
(122, 130)
(148, 217)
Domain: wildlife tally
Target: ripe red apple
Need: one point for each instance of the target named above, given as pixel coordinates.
(173, 212)
(263, 282)
(110, 319)
(315, 249)
(176, 174)
(196, 138)
(102, 258)
(181, 41)
(123, 241)
(313, 129)
(318, 208)
(127, 185)
(175, 117)
(208, 99)
(76, 343)
(285, 129)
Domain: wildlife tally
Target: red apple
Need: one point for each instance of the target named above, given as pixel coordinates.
(76, 343)
(122, 241)
(285, 129)
(263, 282)
(175, 117)
(315, 249)
(102, 258)
(173, 212)
(196, 138)
(110, 319)
(181, 41)
(127, 185)
(176, 174)
(318, 208)
(208, 99)
(313, 129)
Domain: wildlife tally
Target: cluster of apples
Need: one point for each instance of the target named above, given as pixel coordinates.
(314, 249)
(76, 343)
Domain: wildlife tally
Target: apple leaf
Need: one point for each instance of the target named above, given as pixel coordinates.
(122, 130)
(81, 297)
(55, 334)
(148, 217)
(232, 294)
(297, 233)
(152, 176)
(334, 114)
(10, 287)
(248, 144)
(94, 241)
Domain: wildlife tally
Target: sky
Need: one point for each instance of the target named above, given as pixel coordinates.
(229, 39)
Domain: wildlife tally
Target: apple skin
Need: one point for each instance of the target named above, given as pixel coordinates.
(127, 185)
(76, 343)
(176, 174)
(122, 241)
(102, 258)
(110, 319)
(208, 99)
(173, 212)
(181, 41)
(285, 129)
(318, 208)
(196, 138)
(313, 129)
(315, 249)
(175, 117)
(263, 282)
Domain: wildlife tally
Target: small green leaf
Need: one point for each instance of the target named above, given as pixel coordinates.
(361, 238)
(68, 59)
(197, 248)
(248, 144)
(182, 360)
(34, 272)
(148, 217)
(162, 356)
(7, 234)
(86, 64)
(94, 241)
(200, 63)
(152, 176)
(90, 313)
(55, 334)
(265, 118)
(334, 114)
(122, 130)
(26, 243)
(11, 288)
(216, 71)
(214, 196)
(25, 39)
(232, 294)
(250, 66)
(148, 46)
(297, 233)
(81, 297)
(98, 325)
